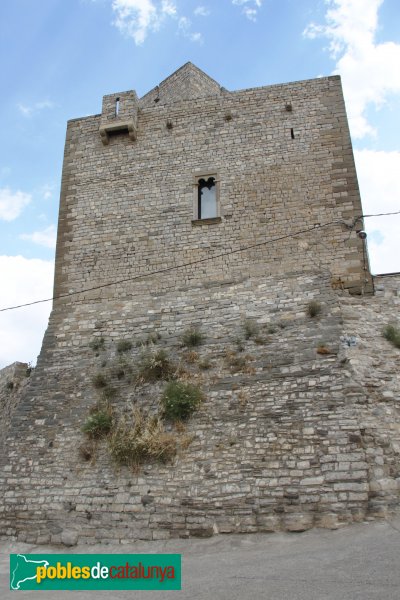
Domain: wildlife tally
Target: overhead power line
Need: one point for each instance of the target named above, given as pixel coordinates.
(314, 227)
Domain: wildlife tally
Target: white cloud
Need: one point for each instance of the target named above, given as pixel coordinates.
(380, 193)
(47, 237)
(12, 203)
(250, 7)
(47, 191)
(168, 7)
(28, 111)
(370, 71)
(201, 11)
(136, 18)
(185, 26)
(21, 330)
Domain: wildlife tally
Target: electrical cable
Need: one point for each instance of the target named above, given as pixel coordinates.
(314, 227)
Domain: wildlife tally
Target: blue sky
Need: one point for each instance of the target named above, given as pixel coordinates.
(58, 58)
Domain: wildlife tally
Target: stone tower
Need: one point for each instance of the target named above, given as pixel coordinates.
(229, 212)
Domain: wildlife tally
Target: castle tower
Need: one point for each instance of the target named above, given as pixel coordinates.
(195, 208)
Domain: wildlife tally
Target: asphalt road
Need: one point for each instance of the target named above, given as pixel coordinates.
(357, 562)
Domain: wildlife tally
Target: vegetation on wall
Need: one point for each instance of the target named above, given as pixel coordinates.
(192, 337)
(141, 438)
(180, 399)
(124, 346)
(99, 422)
(250, 328)
(314, 309)
(154, 366)
(392, 334)
(134, 436)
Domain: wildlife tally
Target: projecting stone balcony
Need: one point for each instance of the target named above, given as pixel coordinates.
(112, 127)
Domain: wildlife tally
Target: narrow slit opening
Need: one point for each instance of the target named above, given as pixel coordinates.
(116, 107)
(292, 133)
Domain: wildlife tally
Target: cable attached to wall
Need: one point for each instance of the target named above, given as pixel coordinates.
(314, 227)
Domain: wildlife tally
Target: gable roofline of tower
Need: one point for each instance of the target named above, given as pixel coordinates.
(188, 66)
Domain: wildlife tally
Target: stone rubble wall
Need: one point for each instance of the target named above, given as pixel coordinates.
(13, 380)
(374, 366)
(299, 423)
(293, 439)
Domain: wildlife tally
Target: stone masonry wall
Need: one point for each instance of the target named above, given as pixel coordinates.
(286, 438)
(299, 423)
(13, 380)
(127, 208)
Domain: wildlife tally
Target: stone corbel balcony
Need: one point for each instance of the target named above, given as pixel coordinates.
(119, 114)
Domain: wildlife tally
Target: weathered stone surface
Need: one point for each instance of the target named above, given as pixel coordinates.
(298, 522)
(69, 537)
(287, 437)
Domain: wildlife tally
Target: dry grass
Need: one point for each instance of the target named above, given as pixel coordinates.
(87, 450)
(322, 349)
(238, 363)
(141, 439)
(314, 309)
(155, 366)
(191, 357)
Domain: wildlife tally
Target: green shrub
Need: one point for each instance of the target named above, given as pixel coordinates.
(250, 328)
(192, 337)
(155, 366)
(99, 423)
(180, 400)
(97, 344)
(99, 381)
(124, 346)
(145, 439)
(392, 334)
(313, 309)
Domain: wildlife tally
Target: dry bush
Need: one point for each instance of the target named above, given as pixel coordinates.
(251, 328)
(191, 357)
(154, 366)
(192, 337)
(314, 309)
(143, 439)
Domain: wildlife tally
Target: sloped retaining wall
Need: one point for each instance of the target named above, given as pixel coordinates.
(288, 437)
